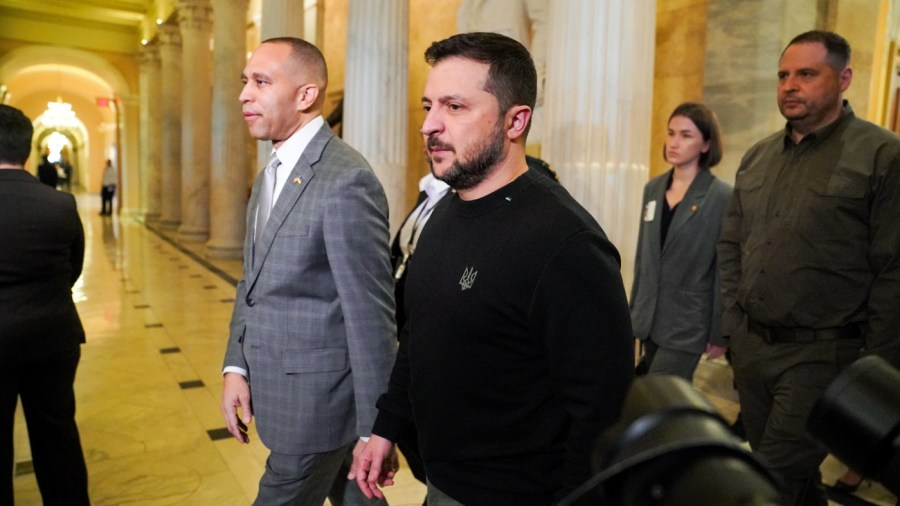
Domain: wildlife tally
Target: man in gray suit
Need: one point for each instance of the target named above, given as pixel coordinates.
(312, 335)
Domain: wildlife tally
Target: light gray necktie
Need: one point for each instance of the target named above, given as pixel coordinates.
(264, 203)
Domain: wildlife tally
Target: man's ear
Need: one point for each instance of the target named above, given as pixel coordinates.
(845, 77)
(307, 95)
(517, 117)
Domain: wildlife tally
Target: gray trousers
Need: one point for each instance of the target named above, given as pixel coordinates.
(671, 362)
(306, 480)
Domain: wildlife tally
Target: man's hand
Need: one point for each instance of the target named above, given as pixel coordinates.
(236, 394)
(714, 351)
(374, 465)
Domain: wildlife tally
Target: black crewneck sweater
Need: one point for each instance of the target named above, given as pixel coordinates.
(520, 345)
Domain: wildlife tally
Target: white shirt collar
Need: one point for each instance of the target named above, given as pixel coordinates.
(433, 187)
(290, 151)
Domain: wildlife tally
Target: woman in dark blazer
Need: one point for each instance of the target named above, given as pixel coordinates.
(676, 307)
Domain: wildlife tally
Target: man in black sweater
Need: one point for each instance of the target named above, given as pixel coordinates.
(520, 345)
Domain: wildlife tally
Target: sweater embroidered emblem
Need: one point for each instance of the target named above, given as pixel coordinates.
(468, 278)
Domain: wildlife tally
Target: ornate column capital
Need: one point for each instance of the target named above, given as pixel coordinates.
(149, 56)
(169, 35)
(195, 15)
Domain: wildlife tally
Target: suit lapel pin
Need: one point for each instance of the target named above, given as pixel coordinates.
(297, 180)
(693, 208)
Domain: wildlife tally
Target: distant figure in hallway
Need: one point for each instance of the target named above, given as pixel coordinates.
(65, 175)
(676, 307)
(47, 173)
(40, 331)
(312, 334)
(109, 189)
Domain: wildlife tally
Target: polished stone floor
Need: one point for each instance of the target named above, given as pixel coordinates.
(156, 316)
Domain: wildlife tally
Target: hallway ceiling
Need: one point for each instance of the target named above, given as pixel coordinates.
(117, 12)
(105, 25)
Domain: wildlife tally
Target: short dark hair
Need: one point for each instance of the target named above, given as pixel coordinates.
(705, 121)
(15, 135)
(308, 55)
(838, 48)
(511, 78)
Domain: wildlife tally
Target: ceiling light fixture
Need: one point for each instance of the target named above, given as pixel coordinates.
(59, 114)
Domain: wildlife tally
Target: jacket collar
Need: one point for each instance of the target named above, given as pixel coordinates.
(298, 180)
(690, 205)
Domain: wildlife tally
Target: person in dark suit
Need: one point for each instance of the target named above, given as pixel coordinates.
(47, 172)
(40, 331)
(676, 307)
(431, 191)
(312, 336)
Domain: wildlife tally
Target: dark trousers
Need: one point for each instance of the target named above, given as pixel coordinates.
(48, 401)
(106, 199)
(778, 384)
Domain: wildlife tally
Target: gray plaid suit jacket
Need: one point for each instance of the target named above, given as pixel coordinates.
(313, 320)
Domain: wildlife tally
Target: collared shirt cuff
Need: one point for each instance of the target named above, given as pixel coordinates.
(232, 368)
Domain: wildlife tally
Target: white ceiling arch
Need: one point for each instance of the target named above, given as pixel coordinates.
(87, 64)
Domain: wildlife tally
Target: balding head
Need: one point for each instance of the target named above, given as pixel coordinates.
(310, 63)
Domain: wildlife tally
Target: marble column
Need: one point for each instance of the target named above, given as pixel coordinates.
(170, 103)
(743, 45)
(195, 20)
(151, 131)
(280, 18)
(228, 182)
(128, 193)
(597, 101)
(375, 115)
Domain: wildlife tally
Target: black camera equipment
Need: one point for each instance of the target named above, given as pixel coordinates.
(858, 420)
(672, 448)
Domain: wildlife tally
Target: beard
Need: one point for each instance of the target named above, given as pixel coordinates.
(480, 161)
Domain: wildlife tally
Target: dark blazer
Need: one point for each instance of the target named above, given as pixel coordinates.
(676, 296)
(41, 256)
(313, 322)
